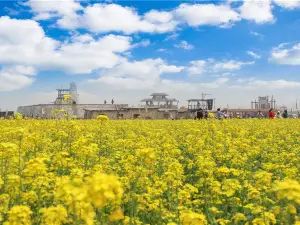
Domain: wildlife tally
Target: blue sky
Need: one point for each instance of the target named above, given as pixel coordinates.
(235, 50)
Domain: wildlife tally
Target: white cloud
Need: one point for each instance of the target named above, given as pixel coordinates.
(197, 67)
(155, 16)
(229, 65)
(170, 69)
(259, 11)
(111, 17)
(184, 45)
(257, 34)
(146, 69)
(253, 84)
(172, 36)
(162, 50)
(13, 78)
(284, 55)
(101, 18)
(84, 38)
(289, 4)
(143, 43)
(137, 74)
(24, 42)
(212, 66)
(253, 54)
(64, 10)
(207, 14)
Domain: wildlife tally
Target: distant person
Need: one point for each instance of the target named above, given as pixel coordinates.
(278, 115)
(200, 114)
(260, 115)
(271, 114)
(219, 114)
(206, 115)
(225, 115)
(285, 114)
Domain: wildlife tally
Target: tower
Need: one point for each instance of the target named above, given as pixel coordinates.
(73, 93)
(62, 91)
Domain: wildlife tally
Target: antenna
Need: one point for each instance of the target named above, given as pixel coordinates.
(204, 95)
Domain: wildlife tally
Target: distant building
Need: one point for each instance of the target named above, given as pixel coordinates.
(160, 100)
(263, 103)
(197, 104)
(46, 111)
(71, 91)
(157, 107)
(6, 114)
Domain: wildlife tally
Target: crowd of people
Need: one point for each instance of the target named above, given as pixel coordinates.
(221, 114)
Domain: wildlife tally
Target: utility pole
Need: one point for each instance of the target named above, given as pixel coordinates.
(204, 95)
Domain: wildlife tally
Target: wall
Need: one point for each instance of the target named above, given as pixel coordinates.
(131, 113)
(45, 111)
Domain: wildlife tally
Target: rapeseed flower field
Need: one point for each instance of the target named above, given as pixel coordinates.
(188, 172)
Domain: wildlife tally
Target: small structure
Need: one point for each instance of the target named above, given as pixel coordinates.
(6, 114)
(160, 100)
(71, 91)
(247, 113)
(197, 104)
(263, 103)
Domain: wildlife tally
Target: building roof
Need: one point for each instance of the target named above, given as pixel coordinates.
(159, 100)
(197, 100)
(159, 94)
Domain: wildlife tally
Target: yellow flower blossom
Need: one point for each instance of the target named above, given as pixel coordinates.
(19, 215)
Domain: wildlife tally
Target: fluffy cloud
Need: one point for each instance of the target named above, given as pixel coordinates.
(229, 65)
(284, 55)
(197, 67)
(212, 66)
(259, 11)
(155, 16)
(101, 18)
(184, 45)
(13, 78)
(65, 11)
(104, 17)
(24, 42)
(207, 14)
(137, 74)
(266, 84)
(289, 4)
